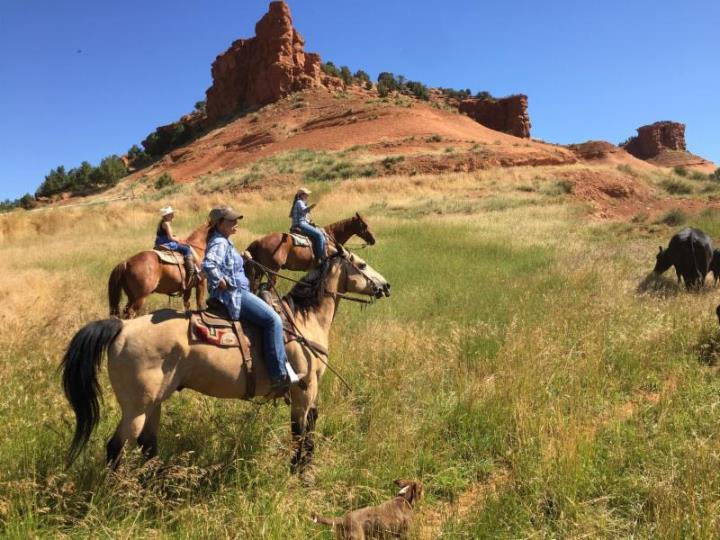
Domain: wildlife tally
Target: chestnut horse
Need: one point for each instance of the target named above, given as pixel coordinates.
(151, 357)
(276, 250)
(144, 274)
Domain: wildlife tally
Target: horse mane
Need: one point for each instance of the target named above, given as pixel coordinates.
(310, 290)
(199, 235)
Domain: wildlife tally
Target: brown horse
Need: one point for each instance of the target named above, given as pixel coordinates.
(150, 358)
(276, 250)
(144, 274)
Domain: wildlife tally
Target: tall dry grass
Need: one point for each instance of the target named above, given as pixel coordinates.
(515, 346)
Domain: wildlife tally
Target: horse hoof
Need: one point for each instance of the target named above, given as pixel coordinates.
(307, 476)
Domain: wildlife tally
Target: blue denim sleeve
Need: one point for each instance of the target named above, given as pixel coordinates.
(213, 262)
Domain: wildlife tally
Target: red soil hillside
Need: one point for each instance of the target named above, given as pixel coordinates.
(320, 119)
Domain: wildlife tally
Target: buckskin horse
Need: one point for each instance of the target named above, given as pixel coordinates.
(151, 357)
(277, 250)
(144, 274)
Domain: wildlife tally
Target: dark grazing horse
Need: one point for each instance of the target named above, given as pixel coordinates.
(690, 251)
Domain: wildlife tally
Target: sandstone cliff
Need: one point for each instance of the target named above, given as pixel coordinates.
(263, 69)
(508, 114)
(651, 140)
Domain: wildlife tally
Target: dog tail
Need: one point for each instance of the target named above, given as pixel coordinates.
(333, 522)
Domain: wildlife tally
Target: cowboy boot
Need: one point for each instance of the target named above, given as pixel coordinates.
(189, 263)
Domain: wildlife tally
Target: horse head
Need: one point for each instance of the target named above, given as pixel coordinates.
(362, 229)
(360, 277)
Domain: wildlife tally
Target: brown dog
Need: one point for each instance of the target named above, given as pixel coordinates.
(387, 520)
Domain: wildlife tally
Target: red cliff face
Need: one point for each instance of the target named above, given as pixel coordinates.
(508, 115)
(263, 69)
(652, 139)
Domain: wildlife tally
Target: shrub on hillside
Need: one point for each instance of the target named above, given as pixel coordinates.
(330, 69)
(346, 75)
(716, 175)
(200, 105)
(676, 187)
(362, 77)
(483, 94)
(163, 181)
(680, 170)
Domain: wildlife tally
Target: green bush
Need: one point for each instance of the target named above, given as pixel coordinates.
(715, 176)
(330, 69)
(434, 138)
(83, 178)
(676, 187)
(362, 77)
(164, 180)
(346, 75)
(673, 217)
(680, 170)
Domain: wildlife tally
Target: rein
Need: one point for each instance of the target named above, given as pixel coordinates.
(334, 294)
(295, 332)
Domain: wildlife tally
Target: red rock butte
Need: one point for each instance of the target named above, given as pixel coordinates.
(654, 138)
(261, 70)
(508, 114)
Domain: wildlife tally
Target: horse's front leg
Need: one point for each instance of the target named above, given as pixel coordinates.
(303, 416)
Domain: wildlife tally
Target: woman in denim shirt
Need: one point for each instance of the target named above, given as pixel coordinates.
(228, 284)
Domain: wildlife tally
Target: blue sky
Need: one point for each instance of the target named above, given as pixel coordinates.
(83, 79)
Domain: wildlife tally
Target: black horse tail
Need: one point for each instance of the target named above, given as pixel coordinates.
(79, 377)
(115, 288)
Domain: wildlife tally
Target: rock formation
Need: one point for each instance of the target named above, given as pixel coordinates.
(653, 139)
(508, 114)
(263, 69)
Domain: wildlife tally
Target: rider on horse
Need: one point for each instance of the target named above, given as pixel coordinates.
(228, 285)
(164, 238)
(300, 215)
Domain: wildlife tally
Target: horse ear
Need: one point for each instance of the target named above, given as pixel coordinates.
(357, 215)
(660, 248)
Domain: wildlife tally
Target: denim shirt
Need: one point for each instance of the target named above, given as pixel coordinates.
(222, 260)
(300, 213)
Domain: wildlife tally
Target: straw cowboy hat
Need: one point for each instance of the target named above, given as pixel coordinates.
(304, 191)
(166, 211)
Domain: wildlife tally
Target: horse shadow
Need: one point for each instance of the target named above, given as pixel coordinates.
(658, 285)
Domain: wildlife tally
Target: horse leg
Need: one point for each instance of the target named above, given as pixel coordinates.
(149, 435)
(186, 299)
(303, 415)
(132, 309)
(129, 429)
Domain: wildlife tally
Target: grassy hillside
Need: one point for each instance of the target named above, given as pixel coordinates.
(516, 371)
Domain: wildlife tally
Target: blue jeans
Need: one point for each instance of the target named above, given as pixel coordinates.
(317, 237)
(182, 248)
(256, 311)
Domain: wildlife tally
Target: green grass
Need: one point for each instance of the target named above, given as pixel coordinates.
(515, 352)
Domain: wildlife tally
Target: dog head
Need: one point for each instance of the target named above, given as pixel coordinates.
(410, 491)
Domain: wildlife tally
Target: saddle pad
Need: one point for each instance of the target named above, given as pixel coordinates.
(300, 240)
(220, 336)
(169, 257)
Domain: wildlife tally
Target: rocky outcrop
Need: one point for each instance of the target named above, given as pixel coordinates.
(509, 114)
(263, 69)
(170, 136)
(653, 139)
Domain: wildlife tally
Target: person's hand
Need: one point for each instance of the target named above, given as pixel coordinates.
(246, 255)
(222, 285)
(313, 205)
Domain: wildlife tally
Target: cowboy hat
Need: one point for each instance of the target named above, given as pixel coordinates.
(166, 211)
(304, 191)
(223, 212)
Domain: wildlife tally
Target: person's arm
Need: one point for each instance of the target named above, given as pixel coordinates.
(214, 257)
